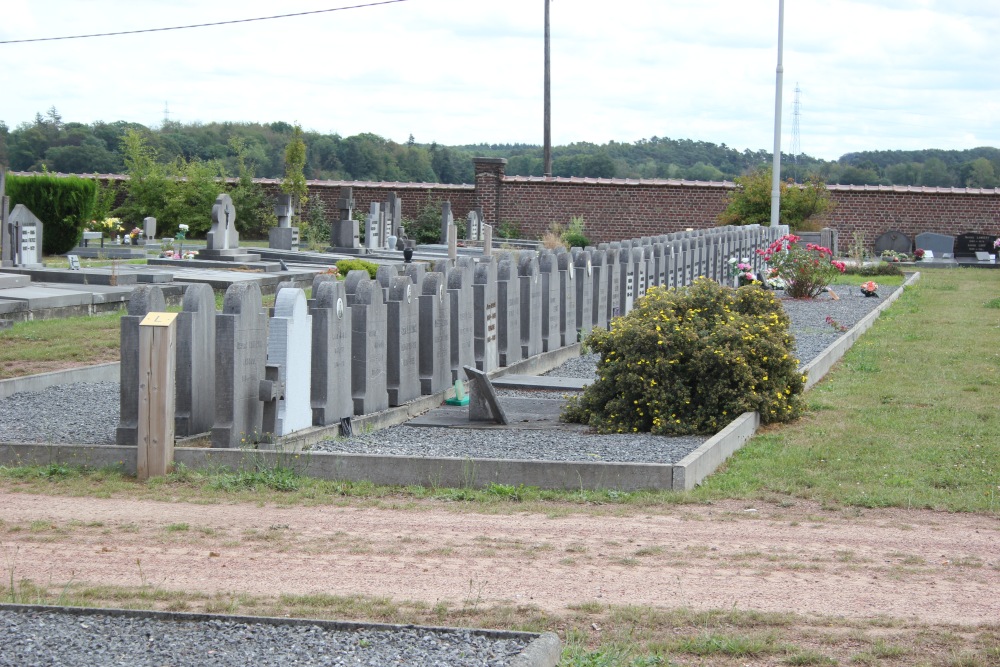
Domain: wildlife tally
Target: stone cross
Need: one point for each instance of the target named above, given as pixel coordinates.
(223, 234)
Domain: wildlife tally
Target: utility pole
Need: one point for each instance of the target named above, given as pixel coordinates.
(796, 138)
(776, 165)
(547, 149)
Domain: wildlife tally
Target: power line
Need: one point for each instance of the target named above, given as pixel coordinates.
(200, 25)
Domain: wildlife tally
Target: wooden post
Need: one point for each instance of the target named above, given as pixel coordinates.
(157, 390)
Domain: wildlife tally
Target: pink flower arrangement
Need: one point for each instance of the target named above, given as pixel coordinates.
(805, 271)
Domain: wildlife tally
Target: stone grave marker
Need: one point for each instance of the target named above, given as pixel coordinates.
(434, 358)
(223, 234)
(509, 313)
(487, 240)
(403, 330)
(531, 305)
(26, 236)
(383, 276)
(240, 357)
(613, 259)
(344, 232)
(970, 243)
(583, 276)
(331, 354)
(368, 343)
(145, 299)
(373, 227)
(659, 264)
(551, 301)
(567, 298)
(195, 404)
(416, 273)
(600, 305)
(639, 268)
(462, 324)
(289, 347)
(893, 240)
(941, 245)
(484, 308)
(447, 220)
(284, 236)
(483, 402)
(149, 228)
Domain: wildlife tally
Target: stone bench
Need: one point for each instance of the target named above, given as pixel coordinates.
(92, 236)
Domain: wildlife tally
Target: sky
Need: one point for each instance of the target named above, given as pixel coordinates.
(872, 74)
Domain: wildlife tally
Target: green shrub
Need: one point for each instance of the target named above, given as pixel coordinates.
(574, 236)
(345, 265)
(426, 227)
(690, 360)
(64, 205)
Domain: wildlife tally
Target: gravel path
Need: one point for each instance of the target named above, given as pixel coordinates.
(46, 638)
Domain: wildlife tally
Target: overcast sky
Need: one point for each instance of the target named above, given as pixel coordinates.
(874, 74)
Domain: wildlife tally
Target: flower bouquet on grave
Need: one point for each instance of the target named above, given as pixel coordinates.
(182, 231)
(918, 254)
(189, 254)
(869, 288)
(108, 226)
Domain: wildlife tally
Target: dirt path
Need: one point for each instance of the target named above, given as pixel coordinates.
(927, 566)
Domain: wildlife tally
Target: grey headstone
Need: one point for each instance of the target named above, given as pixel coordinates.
(531, 305)
(144, 299)
(223, 234)
(552, 298)
(149, 228)
(373, 227)
(331, 358)
(893, 240)
(435, 334)
(484, 309)
(567, 299)
(240, 356)
(403, 332)
(600, 305)
(942, 245)
(26, 236)
(584, 278)
(615, 267)
(463, 345)
(509, 313)
(638, 259)
(446, 220)
(383, 276)
(368, 343)
(195, 404)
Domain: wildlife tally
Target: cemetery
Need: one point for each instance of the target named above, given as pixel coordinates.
(335, 361)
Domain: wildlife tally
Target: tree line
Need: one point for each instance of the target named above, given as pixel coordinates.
(49, 143)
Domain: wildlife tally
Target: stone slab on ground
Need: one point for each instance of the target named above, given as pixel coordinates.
(35, 297)
(533, 413)
(8, 280)
(548, 382)
(215, 264)
(78, 277)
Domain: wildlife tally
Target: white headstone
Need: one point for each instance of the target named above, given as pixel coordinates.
(289, 346)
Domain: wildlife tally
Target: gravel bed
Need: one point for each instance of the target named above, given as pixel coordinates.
(53, 638)
(87, 412)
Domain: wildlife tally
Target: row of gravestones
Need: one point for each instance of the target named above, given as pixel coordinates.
(942, 246)
(362, 345)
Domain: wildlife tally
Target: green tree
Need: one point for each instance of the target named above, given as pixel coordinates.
(294, 183)
(935, 173)
(981, 174)
(254, 213)
(750, 202)
(147, 187)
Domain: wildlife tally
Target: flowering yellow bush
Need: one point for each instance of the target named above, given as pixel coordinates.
(690, 360)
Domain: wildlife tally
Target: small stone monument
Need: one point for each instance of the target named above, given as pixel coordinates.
(24, 236)
(447, 220)
(344, 232)
(149, 228)
(284, 236)
(223, 239)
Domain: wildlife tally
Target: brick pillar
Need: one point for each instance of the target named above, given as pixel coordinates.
(489, 186)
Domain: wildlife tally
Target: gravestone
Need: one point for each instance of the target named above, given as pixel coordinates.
(462, 323)
(384, 275)
(473, 226)
(487, 240)
(583, 271)
(145, 299)
(639, 269)
(484, 308)
(289, 347)
(284, 236)
(373, 227)
(447, 220)
(195, 403)
(344, 232)
(223, 234)
(149, 228)
(416, 273)
(394, 219)
(25, 236)
(331, 353)
(531, 305)
(942, 246)
(403, 331)
(613, 257)
(368, 343)
(435, 335)
(551, 301)
(659, 265)
(240, 356)
(509, 313)
(968, 244)
(892, 240)
(567, 299)
(600, 278)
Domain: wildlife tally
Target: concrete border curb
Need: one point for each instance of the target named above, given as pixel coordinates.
(702, 462)
(109, 372)
(543, 649)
